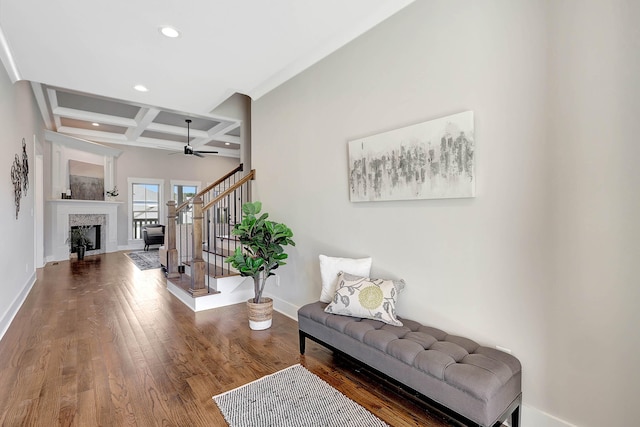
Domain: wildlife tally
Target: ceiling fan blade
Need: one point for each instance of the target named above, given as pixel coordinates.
(206, 152)
(197, 153)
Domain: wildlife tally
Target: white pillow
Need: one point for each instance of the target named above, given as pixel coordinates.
(330, 267)
(154, 231)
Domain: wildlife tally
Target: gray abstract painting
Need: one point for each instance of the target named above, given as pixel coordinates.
(86, 180)
(429, 160)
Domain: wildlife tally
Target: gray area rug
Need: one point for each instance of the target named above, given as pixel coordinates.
(145, 260)
(292, 397)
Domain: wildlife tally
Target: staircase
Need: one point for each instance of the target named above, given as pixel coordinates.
(198, 239)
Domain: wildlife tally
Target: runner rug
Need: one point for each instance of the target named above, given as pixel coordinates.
(293, 397)
(145, 260)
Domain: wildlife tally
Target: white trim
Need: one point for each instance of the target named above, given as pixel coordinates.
(7, 58)
(197, 184)
(81, 144)
(284, 307)
(173, 182)
(38, 93)
(10, 314)
(38, 218)
(161, 202)
(532, 417)
(59, 223)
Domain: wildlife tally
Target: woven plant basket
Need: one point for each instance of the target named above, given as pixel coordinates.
(260, 314)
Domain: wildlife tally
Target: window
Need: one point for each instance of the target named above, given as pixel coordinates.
(145, 204)
(181, 192)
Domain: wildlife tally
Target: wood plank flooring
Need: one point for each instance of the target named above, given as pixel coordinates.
(100, 343)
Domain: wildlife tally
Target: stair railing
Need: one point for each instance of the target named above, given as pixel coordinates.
(199, 230)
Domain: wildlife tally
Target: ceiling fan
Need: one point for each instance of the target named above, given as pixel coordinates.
(188, 149)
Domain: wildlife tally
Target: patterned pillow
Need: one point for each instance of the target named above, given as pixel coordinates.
(366, 298)
(399, 284)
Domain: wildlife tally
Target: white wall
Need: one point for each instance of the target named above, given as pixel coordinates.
(159, 164)
(506, 266)
(594, 345)
(19, 118)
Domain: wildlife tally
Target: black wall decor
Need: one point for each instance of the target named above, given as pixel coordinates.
(20, 176)
(25, 168)
(16, 179)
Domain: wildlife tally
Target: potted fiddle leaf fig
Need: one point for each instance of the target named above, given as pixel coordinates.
(262, 251)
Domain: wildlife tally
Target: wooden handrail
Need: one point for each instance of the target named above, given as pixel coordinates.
(250, 176)
(209, 187)
(208, 225)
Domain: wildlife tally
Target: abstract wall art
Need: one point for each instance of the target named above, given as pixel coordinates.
(430, 160)
(86, 180)
(20, 176)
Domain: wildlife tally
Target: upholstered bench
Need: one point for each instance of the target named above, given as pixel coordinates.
(480, 385)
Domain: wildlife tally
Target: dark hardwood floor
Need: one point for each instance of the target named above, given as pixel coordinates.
(100, 343)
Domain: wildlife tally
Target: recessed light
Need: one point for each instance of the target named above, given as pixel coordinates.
(227, 143)
(95, 124)
(169, 32)
(141, 88)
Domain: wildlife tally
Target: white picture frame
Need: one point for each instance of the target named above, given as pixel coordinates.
(430, 160)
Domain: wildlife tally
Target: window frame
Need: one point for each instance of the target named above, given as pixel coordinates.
(184, 183)
(162, 216)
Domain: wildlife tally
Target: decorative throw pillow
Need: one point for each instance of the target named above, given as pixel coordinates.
(154, 231)
(330, 267)
(399, 283)
(366, 298)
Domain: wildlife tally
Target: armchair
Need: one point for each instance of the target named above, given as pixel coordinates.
(153, 234)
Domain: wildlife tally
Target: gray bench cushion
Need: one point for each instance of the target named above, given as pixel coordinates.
(478, 382)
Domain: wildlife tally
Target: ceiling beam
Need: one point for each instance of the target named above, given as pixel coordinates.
(41, 99)
(144, 118)
(93, 134)
(180, 131)
(89, 116)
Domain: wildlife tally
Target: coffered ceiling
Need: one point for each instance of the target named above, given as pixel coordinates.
(84, 59)
(101, 119)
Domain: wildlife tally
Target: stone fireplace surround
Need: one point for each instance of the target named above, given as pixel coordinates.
(83, 212)
(93, 220)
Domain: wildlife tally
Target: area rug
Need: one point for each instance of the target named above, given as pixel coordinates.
(145, 260)
(292, 397)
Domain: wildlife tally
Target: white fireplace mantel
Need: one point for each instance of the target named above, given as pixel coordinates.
(59, 230)
(65, 148)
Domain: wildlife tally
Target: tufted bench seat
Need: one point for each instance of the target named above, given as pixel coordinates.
(481, 385)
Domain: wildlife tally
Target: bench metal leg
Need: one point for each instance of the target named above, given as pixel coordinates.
(515, 417)
(302, 341)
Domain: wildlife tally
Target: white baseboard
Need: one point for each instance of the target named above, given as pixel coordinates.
(133, 245)
(532, 417)
(284, 307)
(11, 312)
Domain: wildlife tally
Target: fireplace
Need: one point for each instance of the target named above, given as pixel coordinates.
(96, 223)
(94, 237)
(101, 215)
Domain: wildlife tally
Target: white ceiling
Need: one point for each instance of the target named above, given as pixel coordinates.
(84, 58)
